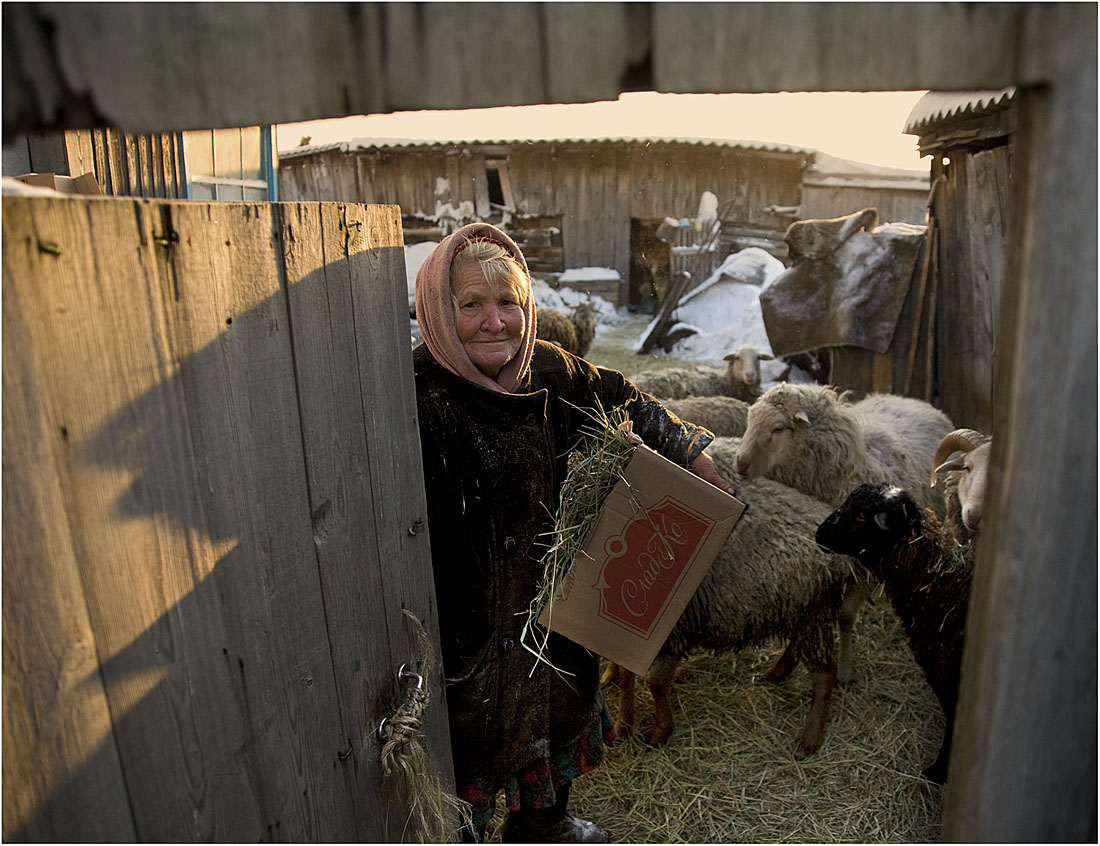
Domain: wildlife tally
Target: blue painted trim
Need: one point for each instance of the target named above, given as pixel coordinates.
(268, 163)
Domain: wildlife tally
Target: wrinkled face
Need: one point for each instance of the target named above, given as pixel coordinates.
(869, 522)
(489, 319)
(766, 440)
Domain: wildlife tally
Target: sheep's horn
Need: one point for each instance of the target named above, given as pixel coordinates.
(960, 439)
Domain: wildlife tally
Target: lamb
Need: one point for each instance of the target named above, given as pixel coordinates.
(770, 579)
(723, 416)
(926, 573)
(964, 489)
(740, 379)
(573, 332)
(808, 437)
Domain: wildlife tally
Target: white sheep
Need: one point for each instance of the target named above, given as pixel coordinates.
(926, 573)
(740, 379)
(968, 473)
(723, 416)
(809, 437)
(769, 580)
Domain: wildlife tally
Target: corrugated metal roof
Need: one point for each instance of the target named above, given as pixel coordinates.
(383, 143)
(938, 106)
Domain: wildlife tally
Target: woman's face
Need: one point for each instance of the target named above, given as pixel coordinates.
(490, 321)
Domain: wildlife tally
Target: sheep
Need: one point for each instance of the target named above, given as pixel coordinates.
(723, 416)
(743, 372)
(585, 317)
(556, 327)
(740, 379)
(573, 332)
(964, 489)
(808, 437)
(926, 574)
(770, 579)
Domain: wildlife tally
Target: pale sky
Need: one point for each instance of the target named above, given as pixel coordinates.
(862, 127)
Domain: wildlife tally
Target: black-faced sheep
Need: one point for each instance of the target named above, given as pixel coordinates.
(967, 475)
(740, 379)
(769, 580)
(723, 416)
(573, 332)
(926, 574)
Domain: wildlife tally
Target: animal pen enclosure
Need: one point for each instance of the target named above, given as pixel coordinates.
(1024, 757)
(207, 542)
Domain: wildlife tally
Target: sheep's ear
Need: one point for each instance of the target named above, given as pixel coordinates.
(801, 418)
(731, 356)
(882, 521)
(766, 357)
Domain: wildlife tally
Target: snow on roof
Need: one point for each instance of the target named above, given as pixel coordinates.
(831, 172)
(937, 106)
(379, 143)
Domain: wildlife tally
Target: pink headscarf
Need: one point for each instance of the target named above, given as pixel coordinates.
(436, 315)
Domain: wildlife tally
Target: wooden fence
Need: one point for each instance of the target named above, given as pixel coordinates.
(211, 468)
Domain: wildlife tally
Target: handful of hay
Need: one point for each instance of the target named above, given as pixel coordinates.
(593, 471)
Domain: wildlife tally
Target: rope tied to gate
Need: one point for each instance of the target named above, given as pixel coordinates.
(434, 814)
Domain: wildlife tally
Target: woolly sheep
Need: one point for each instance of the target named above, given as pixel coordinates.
(770, 579)
(556, 327)
(572, 332)
(967, 475)
(723, 416)
(808, 437)
(740, 379)
(926, 573)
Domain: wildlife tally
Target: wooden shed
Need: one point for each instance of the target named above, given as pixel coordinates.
(83, 742)
(968, 135)
(570, 203)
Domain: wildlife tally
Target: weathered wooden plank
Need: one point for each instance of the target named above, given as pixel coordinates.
(840, 46)
(384, 367)
(62, 775)
(98, 339)
(1024, 757)
(338, 456)
(251, 469)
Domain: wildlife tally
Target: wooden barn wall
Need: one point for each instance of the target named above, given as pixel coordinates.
(970, 213)
(595, 188)
(894, 205)
(206, 520)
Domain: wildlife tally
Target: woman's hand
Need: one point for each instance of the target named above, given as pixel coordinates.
(705, 468)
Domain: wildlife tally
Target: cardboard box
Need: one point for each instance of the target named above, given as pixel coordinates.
(83, 184)
(652, 544)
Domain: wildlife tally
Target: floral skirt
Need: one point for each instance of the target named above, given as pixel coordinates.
(535, 787)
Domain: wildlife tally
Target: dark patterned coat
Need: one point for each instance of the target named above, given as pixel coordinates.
(493, 466)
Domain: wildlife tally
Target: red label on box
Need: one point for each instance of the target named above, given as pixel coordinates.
(645, 563)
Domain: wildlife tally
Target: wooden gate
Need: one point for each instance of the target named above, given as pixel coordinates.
(209, 484)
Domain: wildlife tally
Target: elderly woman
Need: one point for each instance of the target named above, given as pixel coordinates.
(499, 412)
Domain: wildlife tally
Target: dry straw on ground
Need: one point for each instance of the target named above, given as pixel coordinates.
(728, 774)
